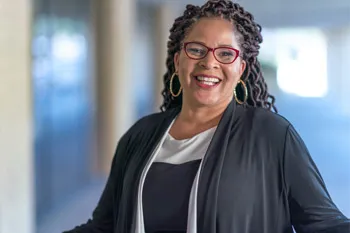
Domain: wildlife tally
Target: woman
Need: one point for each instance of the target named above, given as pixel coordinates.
(215, 159)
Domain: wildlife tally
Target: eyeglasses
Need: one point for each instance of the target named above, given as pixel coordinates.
(197, 51)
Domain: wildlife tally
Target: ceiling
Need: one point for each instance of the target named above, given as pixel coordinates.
(285, 13)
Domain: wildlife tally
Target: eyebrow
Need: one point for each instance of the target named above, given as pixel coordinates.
(220, 45)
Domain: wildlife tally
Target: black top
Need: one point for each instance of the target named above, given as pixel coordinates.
(257, 176)
(166, 194)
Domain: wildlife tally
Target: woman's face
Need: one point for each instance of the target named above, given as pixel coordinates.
(206, 81)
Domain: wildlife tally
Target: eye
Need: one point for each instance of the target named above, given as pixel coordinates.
(226, 54)
(196, 51)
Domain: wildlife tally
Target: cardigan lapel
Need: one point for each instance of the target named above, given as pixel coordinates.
(144, 142)
(209, 175)
(139, 225)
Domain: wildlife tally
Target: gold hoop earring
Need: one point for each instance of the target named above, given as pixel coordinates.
(171, 86)
(245, 92)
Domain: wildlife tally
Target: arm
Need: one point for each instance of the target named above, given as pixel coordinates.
(311, 207)
(103, 216)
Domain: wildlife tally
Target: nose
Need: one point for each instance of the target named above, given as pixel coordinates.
(209, 61)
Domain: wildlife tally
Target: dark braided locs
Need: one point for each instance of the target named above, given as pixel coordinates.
(249, 38)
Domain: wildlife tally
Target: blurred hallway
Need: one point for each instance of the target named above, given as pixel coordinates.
(75, 74)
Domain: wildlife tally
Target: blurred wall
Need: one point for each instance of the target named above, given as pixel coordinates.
(164, 16)
(115, 83)
(16, 128)
(338, 53)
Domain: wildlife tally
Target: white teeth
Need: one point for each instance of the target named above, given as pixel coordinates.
(206, 79)
(209, 83)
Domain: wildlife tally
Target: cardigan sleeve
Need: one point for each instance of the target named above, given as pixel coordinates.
(311, 207)
(103, 216)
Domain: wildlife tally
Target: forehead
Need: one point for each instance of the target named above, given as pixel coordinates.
(212, 32)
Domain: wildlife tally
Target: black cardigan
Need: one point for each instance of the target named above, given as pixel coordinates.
(257, 177)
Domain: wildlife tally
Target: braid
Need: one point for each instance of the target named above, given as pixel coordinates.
(249, 38)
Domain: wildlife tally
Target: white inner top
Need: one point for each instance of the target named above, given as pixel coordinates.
(173, 151)
(181, 151)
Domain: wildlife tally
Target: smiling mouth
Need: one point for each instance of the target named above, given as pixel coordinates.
(207, 81)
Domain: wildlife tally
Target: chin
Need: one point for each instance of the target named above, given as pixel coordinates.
(200, 98)
(206, 102)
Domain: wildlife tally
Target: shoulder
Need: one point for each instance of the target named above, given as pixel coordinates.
(152, 120)
(270, 133)
(150, 123)
(263, 122)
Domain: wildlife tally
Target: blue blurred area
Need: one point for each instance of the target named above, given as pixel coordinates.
(63, 102)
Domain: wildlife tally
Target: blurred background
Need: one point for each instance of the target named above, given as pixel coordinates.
(75, 74)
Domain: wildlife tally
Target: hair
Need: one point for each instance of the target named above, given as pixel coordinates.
(249, 39)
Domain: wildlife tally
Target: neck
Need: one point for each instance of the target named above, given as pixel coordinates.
(202, 115)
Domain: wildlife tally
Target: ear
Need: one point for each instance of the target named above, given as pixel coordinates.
(176, 61)
(242, 67)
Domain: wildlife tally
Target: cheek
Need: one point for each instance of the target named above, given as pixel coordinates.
(232, 74)
(186, 66)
